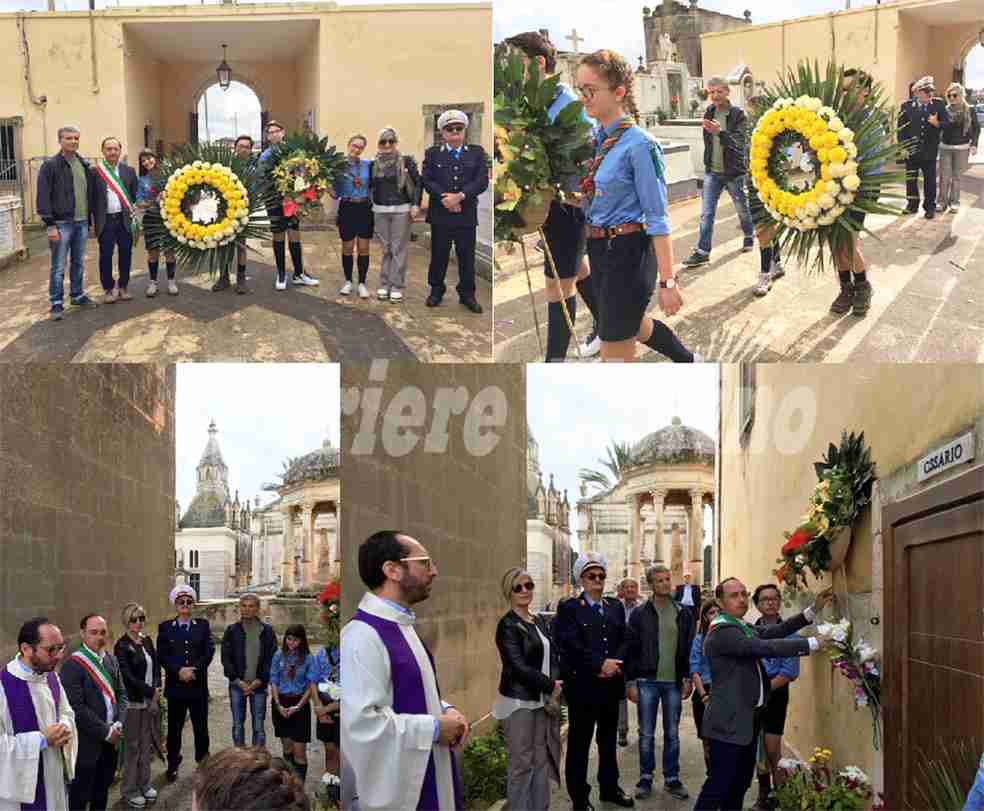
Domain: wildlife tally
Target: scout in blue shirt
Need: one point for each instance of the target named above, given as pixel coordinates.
(327, 707)
(628, 226)
(564, 228)
(292, 675)
(242, 151)
(781, 672)
(149, 188)
(355, 221)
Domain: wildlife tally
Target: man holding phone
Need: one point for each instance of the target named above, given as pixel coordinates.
(590, 634)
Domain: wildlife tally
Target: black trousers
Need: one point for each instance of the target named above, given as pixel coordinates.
(730, 775)
(177, 709)
(912, 169)
(587, 716)
(463, 239)
(90, 788)
(115, 234)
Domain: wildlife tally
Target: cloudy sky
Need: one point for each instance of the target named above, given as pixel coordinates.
(231, 113)
(576, 410)
(264, 413)
(82, 5)
(620, 25)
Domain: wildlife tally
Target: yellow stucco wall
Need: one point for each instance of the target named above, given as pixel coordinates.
(309, 82)
(904, 411)
(143, 84)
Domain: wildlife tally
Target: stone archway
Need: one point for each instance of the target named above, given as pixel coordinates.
(202, 87)
(960, 63)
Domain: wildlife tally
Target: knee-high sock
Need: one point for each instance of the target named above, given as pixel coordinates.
(170, 268)
(585, 288)
(558, 333)
(666, 343)
(363, 263)
(775, 252)
(280, 256)
(152, 268)
(766, 254)
(296, 259)
(845, 277)
(347, 262)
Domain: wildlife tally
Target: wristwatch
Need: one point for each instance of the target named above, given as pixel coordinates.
(668, 284)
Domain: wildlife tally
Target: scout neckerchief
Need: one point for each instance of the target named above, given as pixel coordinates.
(588, 187)
(91, 664)
(112, 180)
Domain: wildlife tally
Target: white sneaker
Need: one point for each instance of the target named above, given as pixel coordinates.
(778, 271)
(136, 802)
(396, 295)
(592, 346)
(954, 209)
(281, 285)
(346, 289)
(304, 279)
(698, 358)
(764, 284)
(172, 287)
(363, 291)
(383, 293)
(150, 793)
(151, 289)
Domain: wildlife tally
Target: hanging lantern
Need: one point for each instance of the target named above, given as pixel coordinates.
(224, 72)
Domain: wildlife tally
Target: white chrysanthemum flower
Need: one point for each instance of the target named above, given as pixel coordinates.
(826, 219)
(812, 209)
(835, 124)
(846, 135)
(846, 198)
(826, 201)
(801, 101)
(197, 164)
(833, 187)
(824, 628)
(837, 169)
(855, 774)
(852, 182)
(837, 211)
(852, 150)
(183, 240)
(826, 112)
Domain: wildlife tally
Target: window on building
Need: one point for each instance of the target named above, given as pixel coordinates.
(746, 400)
(193, 559)
(195, 581)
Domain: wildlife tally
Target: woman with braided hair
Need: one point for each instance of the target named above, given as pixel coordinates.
(628, 227)
(247, 778)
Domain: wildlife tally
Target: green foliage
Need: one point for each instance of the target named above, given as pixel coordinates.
(619, 459)
(818, 790)
(332, 161)
(944, 782)
(534, 157)
(853, 458)
(484, 763)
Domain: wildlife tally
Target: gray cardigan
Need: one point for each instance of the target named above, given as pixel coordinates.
(737, 674)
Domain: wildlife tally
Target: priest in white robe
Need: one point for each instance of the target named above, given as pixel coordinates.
(38, 737)
(399, 738)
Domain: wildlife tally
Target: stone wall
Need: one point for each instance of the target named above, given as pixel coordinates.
(277, 611)
(462, 494)
(685, 25)
(87, 476)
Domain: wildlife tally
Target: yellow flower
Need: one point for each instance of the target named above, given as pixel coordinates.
(823, 155)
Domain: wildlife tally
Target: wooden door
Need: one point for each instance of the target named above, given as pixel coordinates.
(934, 634)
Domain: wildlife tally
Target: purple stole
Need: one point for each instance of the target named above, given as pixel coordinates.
(25, 719)
(409, 698)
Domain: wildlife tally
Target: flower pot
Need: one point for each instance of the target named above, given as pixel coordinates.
(534, 214)
(839, 547)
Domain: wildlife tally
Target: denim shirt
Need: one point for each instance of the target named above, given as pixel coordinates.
(325, 668)
(698, 662)
(788, 667)
(303, 676)
(345, 181)
(146, 190)
(631, 183)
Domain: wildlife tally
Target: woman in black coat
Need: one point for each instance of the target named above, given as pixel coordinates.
(141, 674)
(528, 705)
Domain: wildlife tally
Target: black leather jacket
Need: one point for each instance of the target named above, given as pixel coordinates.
(133, 667)
(521, 652)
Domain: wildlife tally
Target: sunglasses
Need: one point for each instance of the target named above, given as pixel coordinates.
(953, 95)
(595, 576)
(138, 618)
(454, 128)
(386, 141)
(519, 588)
(184, 602)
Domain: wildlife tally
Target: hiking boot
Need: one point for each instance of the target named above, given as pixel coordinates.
(764, 284)
(844, 301)
(676, 789)
(748, 244)
(862, 299)
(696, 259)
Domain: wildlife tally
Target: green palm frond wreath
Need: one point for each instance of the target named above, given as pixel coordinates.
(849, 149)
(304, 145)
(246, 190)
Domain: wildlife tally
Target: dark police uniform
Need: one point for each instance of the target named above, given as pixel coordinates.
(179, 647)
(914, 123)
(585, 637)
(442, 173)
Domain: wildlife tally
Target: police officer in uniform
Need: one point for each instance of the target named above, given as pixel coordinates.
(185, 649)
(590, 634)
(923, 117)
(454, 174)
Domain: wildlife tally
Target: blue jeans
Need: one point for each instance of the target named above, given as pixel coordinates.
(257, 709)
(71, 237)
(714, 185)
(651, 693)
(975, 800)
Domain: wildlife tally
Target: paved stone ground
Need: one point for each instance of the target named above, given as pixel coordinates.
(300, 324)
(928, 305)
(177, 796)
(692, 771)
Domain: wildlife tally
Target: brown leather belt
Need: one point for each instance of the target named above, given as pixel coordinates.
(594, 232)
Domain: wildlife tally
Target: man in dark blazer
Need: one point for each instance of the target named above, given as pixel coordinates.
(185, 649)
(92, 681)
(741, 689)
(923, 118)
(112, 192)
(454, 174)
(687, 594)
(590, 634)
(247, 667)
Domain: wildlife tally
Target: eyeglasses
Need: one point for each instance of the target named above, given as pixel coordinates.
(386, 141)
(184, 602)
(587, 91)
(421, 558)
(50, 649)
(97, 633)
(768, 599)
(519, 588)
(454, 128)
(138, 618)
(595, 576)
(736, 594)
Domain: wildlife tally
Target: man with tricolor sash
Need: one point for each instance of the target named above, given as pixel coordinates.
(114, 190)
(732, 720)
(95, 690)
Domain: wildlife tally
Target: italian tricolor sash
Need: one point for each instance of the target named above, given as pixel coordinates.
(112, 180)
(90, 662)
(723, 619)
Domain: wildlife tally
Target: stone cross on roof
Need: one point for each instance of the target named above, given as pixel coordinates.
(576, 40)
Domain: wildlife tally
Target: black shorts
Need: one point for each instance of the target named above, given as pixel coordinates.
(330, 733)
(624, 270)
(355, 220)
(298, 726)
(564, 230)
(774, 714)
(279, 223)
(699, 708)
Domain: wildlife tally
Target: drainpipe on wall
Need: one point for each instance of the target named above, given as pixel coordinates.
(37, 101)
(718, 500)
(833, 41)
(92, 46)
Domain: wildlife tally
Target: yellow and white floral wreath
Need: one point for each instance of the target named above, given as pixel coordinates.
(225, 183)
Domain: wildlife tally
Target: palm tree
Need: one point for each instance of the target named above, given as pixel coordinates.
(619, 459)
